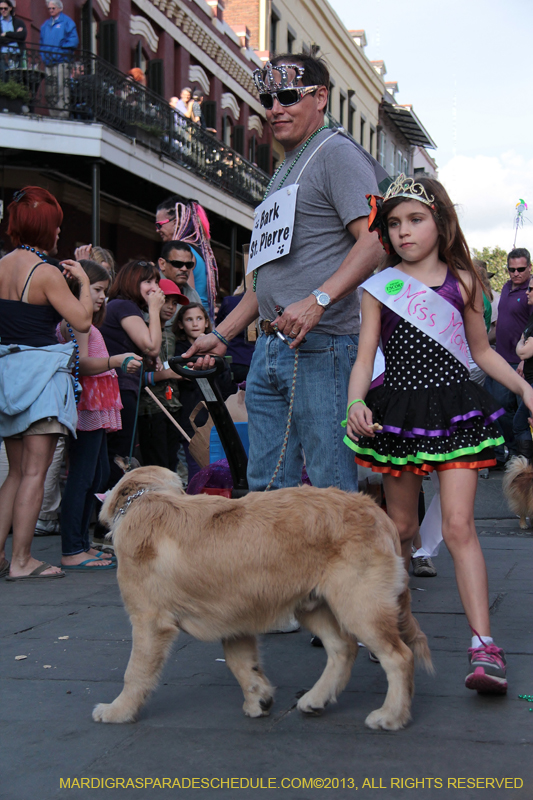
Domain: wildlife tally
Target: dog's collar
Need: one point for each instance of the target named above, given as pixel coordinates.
(129, 501)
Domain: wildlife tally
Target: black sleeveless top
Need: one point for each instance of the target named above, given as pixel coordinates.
(23, 323)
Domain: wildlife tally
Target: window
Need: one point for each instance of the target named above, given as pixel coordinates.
(351, 118)
(330, 96)
(252, 149)
(291, 38)
(274, 20)
(88, 28)
(209, 110)
(382, 148)
(264, 159)
(227, 130)
(139, 59)
(362, 132)
(399, 161)
(371, 145)
(154, 76)
(342, 104)
(238, 139)
(108, 41)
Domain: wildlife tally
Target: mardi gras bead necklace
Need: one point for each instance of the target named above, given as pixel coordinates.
(275, 175)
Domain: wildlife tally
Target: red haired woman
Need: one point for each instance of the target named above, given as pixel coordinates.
(36, 383)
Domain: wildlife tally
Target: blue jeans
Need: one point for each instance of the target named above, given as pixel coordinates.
(510, 402)
(88, 473)
(320, 400)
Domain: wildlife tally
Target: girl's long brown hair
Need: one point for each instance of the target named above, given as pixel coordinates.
(453, 249)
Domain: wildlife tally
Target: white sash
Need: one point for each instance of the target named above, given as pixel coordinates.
(423, 308)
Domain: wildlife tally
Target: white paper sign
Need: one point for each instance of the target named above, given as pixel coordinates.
(273, 228)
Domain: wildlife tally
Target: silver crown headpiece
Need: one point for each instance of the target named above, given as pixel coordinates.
(276, 78)
(406, 187)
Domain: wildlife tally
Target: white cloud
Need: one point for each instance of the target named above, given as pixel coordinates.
(486, 191)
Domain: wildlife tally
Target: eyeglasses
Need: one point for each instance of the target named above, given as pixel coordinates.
(529, 289)
(286, 97)
(180, 264)
(159, 225)
(517, 269)
(5, 8)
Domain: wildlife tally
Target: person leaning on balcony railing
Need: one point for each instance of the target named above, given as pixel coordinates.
(58, 41)
(59, 37)
(13, 31)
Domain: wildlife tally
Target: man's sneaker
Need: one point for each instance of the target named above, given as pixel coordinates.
(47, 527)
(487, 670)
(423, 566)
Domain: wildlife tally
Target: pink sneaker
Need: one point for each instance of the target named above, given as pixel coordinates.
(487, 670)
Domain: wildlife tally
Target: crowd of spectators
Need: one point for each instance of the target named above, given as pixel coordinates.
(96, 334)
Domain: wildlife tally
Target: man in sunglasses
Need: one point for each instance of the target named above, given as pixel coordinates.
(176, 263)
(313, 284)
(513, 315)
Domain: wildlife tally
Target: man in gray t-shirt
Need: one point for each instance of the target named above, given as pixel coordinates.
(313, 284)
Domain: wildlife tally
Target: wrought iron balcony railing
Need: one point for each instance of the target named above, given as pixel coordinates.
(63, 84)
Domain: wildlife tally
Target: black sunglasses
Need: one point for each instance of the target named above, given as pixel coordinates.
(286, 97)
(517, 269)
(180, 264)
(529, 289)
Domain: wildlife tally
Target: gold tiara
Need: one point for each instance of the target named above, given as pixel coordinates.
(406, 187)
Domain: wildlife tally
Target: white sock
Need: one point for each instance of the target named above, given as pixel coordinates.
(480, 641)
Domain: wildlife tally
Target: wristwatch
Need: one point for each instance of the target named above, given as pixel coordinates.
(323, 299)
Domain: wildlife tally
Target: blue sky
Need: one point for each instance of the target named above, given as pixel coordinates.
(466, 67)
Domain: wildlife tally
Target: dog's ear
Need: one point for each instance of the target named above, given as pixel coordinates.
(123, 463)
(116, 497)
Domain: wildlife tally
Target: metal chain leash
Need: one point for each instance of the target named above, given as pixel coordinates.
(289, 420)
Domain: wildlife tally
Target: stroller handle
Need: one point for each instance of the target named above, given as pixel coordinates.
(179, 366)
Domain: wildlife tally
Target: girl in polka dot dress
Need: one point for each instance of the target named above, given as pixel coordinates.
(426, 414)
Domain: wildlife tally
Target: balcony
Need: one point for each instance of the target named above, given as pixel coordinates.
(83, 87)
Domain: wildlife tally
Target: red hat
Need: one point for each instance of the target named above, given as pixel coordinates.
(169, 288)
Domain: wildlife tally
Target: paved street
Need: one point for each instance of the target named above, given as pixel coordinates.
(193, 726)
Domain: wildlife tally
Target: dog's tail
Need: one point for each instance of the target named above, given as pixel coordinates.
(411, 633)
(517, 482)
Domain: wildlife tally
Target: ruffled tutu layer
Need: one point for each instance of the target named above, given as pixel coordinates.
(433, 428)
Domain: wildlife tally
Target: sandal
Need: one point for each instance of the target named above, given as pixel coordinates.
(37, 574)
(84, 566)
(4, 568)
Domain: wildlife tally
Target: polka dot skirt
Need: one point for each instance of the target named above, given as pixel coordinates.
(430, 411)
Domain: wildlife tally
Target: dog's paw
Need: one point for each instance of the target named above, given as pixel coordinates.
(307, 705)
(105, 712)
(524, 524)
(383, 720)
(258, 707)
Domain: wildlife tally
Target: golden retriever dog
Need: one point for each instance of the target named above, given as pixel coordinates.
(230, 569)
(517, 487)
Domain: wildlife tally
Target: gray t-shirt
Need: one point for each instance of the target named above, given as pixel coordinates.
(331, 195)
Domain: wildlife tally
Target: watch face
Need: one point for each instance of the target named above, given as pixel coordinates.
(323, 299)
